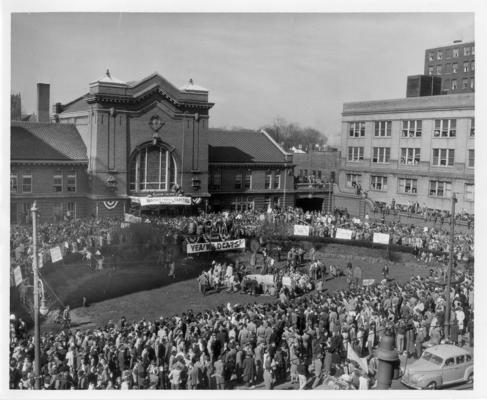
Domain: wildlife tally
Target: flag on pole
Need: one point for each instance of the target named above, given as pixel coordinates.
(353, 356)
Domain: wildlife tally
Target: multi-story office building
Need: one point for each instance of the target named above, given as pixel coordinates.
(417, 149)
(455, 64)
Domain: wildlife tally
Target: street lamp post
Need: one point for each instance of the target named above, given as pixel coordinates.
(36, 298)
(450, 267)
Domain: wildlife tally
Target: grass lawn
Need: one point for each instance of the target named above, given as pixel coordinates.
(145, 290)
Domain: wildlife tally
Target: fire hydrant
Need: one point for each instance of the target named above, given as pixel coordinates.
(388, 362)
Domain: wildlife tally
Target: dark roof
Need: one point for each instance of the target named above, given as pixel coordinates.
(242, 146)
(46, 141)
(76, 105)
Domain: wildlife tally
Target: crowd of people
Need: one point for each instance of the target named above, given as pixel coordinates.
(414, 209)
(302, 339)
(304, 336)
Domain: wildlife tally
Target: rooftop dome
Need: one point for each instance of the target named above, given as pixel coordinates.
(191, 87)
(108, 78)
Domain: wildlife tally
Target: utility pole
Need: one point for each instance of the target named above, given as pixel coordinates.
(37, 336)
(450, 268)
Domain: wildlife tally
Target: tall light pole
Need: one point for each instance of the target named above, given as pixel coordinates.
(37, 335)
(450, 267)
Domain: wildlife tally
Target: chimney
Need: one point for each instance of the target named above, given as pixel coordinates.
(43, 90)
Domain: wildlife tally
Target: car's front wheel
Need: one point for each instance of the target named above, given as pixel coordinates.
(431, 386)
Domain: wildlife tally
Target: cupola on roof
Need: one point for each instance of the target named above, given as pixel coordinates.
(191, 87)
(108, 78)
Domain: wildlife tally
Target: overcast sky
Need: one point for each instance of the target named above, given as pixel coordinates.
(301, 67)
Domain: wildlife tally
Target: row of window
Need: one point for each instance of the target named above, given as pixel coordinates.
(242, 203)
(303, 173)
(451, 53)
(20, 213)
(467, 83)
(60, 182)
(437, 188)
(410, 156)
(410, 128)
(468, 66)
(243, 180)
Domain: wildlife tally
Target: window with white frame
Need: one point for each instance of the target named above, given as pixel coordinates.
(407, 185)
(27, 182)
(454, 68)
(455, 53)
(472, 83)
(13, 182)
(152, 168)
(430, 70)
(382, 128)
(381, 155)
(472, 126)
(353, 180)
(431, 56)
(454, 84)
(445, 128)
(216, 179)
(410, 155)
(248, 180)
(466, 51)
(71, 182)
(277, 201)
(238, 180)
(466, 65)
(440, 189)
(439, 55)
(465, 83)
(268, 180)
(469, 192)
(378, 183)
(57, 185)
(242, 203)
(357, 129)
(471, 158)
(71, 209)
(355, 154)
(438, 70)
(412, 128)
(472, 66)
(443, 157)
(277, 180)
(473, 50)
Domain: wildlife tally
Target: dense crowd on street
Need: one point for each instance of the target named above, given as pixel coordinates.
(301, 339)
(414, 209)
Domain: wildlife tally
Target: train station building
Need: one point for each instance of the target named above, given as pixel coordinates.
(143, 145)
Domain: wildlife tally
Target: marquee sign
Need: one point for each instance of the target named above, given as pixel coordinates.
(162, 201)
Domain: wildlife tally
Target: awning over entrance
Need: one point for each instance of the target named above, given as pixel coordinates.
(162, 201)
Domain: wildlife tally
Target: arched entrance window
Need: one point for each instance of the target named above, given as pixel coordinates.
(152, 168)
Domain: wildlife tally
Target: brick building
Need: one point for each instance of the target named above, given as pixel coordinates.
(455, 64)
(48, 164)
(248, 170)
(321, 165)
(146, 142)
(417, 149)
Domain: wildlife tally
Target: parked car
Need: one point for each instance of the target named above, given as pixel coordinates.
(440, 365)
